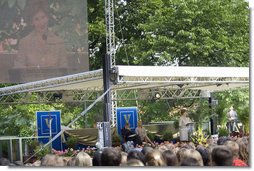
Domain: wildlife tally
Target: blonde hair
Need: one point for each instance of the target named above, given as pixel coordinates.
(82, 159)
(52, 160)
(154, 158)
(124, 158)
(243, 149)
(234, 147)
(134, 162)
(188, 152)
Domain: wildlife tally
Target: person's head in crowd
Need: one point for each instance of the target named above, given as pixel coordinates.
(194, 154)
(97, 158)
(111, 157)
(146, 149)
(52, 160)
(175, 150)
(170, 158)
(134, 162)
(133, 154)
(222, 156)
(169, 146)
(234, 147)
(188, 146)
(222, 140)
(204, 154)
(243, 149)
(154, 158)
(210, 148)
(83, 159)
(162, 148)
(189, 161)
(124, 158)
(180, 154)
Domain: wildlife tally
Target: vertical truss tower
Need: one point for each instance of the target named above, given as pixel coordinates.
(110, 50)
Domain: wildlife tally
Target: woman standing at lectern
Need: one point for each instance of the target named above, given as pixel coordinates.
(183, 125)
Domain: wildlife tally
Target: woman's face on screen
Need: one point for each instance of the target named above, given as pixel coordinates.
(40, 22)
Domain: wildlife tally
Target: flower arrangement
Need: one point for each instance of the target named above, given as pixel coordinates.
(70, 152)
(67, 152)
(90, 150)
(199, 136)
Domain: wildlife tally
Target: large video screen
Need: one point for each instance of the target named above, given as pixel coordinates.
(42, 39)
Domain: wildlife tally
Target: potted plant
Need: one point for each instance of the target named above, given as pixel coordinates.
(72, 142)
(41, 151)
(223, 132)
(167, 135)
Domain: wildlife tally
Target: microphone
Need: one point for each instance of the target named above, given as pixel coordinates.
(44, 37)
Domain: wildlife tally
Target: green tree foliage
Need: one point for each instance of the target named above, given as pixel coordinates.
(191, 32)
(97, 33)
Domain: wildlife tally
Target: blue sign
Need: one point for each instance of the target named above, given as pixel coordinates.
(49, 124)
(127, 114)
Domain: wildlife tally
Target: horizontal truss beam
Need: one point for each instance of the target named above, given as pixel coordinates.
(85, 96)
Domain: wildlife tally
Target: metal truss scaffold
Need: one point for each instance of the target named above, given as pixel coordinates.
(110, 49)
(54, 82)
(81, 96)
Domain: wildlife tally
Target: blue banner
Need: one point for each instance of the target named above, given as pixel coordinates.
(127, 114)
(49, 123)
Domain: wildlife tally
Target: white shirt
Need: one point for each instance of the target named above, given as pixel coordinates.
(232, 115)
(184, 120)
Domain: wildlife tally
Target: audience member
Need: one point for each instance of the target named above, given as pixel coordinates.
(124, 158)
(170, 158)
(189, 161)
(52, 160)
(222, 140)
(222, 156)
(205, 155)
(234, 147)
(154, 158)
(97, 158)
(243, 149)
(133, 154)
(111, 157)
(146, 149)
(82, 159)
(134, 162)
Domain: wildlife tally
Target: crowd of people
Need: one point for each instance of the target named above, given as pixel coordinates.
(227, 151)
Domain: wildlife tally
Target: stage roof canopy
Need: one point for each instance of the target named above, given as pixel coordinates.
(143, 77)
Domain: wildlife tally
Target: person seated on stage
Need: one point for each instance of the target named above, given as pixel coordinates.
(128, 135)
(141, 132)
(183, 125)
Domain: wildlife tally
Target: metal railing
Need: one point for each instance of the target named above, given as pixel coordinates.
(10, 147)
